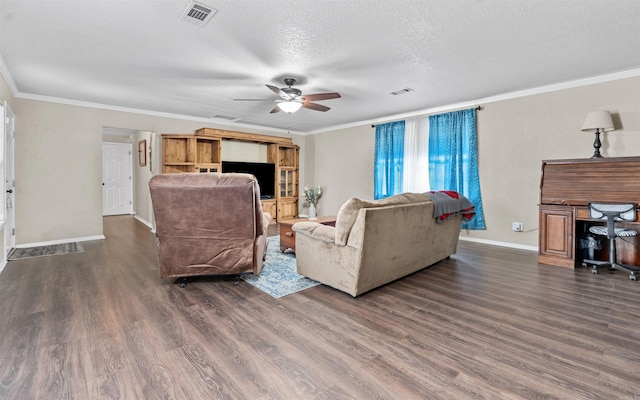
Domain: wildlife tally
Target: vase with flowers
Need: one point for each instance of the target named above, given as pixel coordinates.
(311, 197)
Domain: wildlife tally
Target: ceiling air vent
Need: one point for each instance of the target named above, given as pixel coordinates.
(198, 13)
(228, 118)
(401, 91)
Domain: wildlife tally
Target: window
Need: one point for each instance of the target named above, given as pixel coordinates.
(416, 155)
(453, 158)
(438, 153)
(388, 159)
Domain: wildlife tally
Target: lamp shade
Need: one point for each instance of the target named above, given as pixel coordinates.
(598, 120)
(290, 106)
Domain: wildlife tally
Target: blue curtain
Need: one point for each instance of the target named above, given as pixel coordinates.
(388, 159)
(453, 158)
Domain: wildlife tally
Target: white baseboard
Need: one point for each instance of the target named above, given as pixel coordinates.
(3, 264)
(61, 241)
(501, 244)
(144, 221)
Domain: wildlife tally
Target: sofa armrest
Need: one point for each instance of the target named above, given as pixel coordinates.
(267, 218)
(315, 230)
(318, 257)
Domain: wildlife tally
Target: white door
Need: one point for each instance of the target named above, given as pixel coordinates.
(9, 157)
(117, 186)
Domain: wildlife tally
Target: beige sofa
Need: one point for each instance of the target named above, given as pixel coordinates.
(208, 224)
(374, 243)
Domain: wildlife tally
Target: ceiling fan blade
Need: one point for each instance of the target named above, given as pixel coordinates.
(275, 110)
(321, 96)
(279, 92)
(314, 106)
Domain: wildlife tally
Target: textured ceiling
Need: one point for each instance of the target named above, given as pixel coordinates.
(139, 54)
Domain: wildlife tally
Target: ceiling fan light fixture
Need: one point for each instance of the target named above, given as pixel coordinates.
(291, 99)
(290, 106)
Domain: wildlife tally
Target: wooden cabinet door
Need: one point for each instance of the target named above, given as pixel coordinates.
(556, 241)
(287, 209)
(270, 207)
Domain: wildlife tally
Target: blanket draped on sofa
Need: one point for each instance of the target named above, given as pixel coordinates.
(449, 203)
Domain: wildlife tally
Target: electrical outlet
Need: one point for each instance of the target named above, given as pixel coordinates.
(517, 226)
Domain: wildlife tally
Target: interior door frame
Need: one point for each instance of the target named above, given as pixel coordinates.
(129, 146)
(9, 172)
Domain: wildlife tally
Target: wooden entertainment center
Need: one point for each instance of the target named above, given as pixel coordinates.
(202, 153)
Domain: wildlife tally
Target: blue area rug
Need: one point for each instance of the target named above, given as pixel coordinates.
(278, 277)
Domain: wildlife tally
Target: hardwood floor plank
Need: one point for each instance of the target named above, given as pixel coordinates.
(472, 387)
(59, 373)
(407, 385)
(296, 354)
(108, 388)
(102, 355)
(25, 290)
(154, 370)
(19, 358)
(213, 381)
(488, 323)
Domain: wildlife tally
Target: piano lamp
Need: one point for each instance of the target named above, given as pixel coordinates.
(600, 121)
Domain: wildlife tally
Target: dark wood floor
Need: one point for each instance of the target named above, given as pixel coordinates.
(489, 323)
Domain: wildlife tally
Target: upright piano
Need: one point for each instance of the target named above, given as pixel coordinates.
(566, 189)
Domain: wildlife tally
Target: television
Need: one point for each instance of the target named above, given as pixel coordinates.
(265, 173)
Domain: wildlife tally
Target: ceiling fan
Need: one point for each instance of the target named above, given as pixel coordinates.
(291, 99)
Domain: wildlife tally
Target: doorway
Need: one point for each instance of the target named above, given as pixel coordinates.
(117, 182)
(9, 173)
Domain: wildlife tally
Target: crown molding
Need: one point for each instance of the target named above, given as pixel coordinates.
(4, 71)
(492, 99)
(220, 123)
(8, 78)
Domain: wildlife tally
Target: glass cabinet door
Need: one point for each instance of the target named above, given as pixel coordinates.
(287, 183)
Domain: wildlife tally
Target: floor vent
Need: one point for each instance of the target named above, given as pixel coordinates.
(198, 13)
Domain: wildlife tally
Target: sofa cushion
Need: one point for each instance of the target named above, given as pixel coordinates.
(349, 211)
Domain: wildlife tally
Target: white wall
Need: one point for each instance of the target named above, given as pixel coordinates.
(59, 166)
(514, 136)
(142, 206)
(58, 173)
(342, 165)
(58, 157)
(233, 150)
